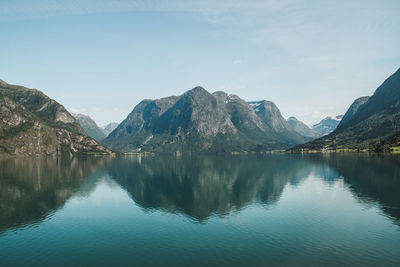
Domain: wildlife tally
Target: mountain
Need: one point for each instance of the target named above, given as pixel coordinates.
(198, 121)
(276, 124)
(357, 104)
(370, 123)
(302, 128)
(327, 125)
(107, 129)
(32, 123)
(90, 127)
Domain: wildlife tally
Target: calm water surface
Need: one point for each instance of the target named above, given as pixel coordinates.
(284, 210)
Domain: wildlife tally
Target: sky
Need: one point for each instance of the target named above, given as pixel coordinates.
(102, 57)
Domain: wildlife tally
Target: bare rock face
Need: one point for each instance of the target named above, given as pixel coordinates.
(195, 113)
(9, 117)
(31, 123)
(23, 133)
(63, 116)
(197, 122)
(240, 112)
(271, 115)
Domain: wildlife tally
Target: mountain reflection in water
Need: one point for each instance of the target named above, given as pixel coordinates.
(32, 189)
(201, 186)
(372, 178)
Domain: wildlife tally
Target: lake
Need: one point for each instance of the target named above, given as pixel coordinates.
(276, 210)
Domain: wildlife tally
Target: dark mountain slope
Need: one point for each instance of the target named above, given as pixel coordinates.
(367, 124)
(137, 128)
(384, 101)
(357, 104)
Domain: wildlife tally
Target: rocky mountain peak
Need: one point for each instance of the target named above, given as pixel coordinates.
(197, 91)
(196, 112)
(270, 114)
(198, 121)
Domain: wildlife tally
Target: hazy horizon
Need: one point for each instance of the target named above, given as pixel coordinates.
(312, 59)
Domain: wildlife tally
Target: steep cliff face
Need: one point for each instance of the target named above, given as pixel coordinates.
(32, 123)
(198, 121)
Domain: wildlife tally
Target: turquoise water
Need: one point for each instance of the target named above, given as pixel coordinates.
(283, 210)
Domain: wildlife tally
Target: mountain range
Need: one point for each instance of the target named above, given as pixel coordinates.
(327, 125)
(324, 127)
(198, 121)
(370, 123)
(92, 129)
(32, 123)
(195, 122)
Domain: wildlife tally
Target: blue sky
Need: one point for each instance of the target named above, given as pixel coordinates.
(102, 57)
